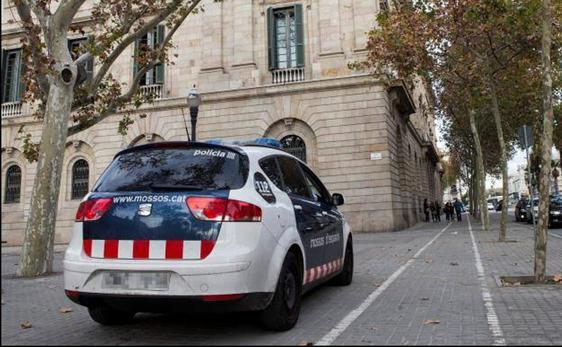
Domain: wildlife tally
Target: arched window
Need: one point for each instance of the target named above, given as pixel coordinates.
(13, 185)
(294, 145)
(80, 179)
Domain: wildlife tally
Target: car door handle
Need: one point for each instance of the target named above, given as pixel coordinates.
(298, 207)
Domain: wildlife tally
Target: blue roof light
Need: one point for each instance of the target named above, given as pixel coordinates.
(264, 141)
(268, 141)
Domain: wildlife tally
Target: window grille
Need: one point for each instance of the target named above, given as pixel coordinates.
(294, 145)
(13, 185)
(80, 179)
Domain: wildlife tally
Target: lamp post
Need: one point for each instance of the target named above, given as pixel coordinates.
(193, 101)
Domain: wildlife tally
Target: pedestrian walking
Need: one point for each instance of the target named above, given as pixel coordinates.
(437, 211)
(448, 209)
(458, 209)
(432, 209)
(426, 209)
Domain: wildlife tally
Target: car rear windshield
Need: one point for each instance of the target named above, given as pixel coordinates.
(155, 169)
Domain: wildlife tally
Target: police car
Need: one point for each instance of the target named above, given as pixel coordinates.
(192, 226)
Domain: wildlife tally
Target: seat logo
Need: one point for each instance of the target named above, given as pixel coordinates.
(145, 209)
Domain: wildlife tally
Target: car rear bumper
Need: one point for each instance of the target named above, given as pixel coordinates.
(176, 303)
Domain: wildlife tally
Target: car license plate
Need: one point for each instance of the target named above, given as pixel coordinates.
(157, 281)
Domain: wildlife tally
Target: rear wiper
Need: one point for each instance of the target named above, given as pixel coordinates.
(172, 187)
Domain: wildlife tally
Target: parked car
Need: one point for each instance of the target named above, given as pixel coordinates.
(190, 226)
(532, 210)
(521, 210)
(490, 206)
(555, 214)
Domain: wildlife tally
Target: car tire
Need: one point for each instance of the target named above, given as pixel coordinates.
(283, 311)
(108, 316)
(346, 276)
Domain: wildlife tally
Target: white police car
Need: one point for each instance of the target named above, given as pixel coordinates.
(180, 226)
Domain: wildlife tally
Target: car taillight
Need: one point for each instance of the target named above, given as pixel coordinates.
(91, 210)
(240, 211)
(219, 209)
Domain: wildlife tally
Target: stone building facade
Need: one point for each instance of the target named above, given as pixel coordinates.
(269, 68)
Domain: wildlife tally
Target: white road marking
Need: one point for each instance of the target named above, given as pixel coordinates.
(333, 334)
(552, 234)
(493, 321)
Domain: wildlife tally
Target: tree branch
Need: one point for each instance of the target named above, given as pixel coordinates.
(132, 37)
(37, 55)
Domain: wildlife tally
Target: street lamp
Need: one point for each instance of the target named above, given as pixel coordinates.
(193, 101)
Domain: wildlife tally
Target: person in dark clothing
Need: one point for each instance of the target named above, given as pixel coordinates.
(426, 209)
(432, 209)
(437, 211)
(448, 209)
(458, 209)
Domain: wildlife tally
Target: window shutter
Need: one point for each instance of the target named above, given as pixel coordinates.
(3, 73)
(300, 35)
(159, 69)
(90, 62)
(18, 92)
(135, 57)
(271, 43)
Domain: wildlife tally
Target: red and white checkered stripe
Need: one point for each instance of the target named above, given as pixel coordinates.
(148, 249)
(318, 272)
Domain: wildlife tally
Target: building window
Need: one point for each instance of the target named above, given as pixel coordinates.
(80, 179)
(13, 185)
(151, 40)
(294, 145)
(11, 73)
(286, 43)
(76, 46)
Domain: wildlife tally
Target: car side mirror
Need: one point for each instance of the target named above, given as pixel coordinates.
(337, 199)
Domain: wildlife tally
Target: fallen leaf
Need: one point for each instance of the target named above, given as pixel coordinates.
(26, 325)
(65, 310)
(514, 264)
(424, 299)
(431, 322)
(453, 263)
(409, 249)
(429, 261)
(557, 278)
(373, 328)
(305, 343)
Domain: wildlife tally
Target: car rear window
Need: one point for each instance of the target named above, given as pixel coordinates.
(153, 169)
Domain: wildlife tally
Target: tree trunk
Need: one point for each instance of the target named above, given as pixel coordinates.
(503, 158)
(546, 148)
(37, 251)
(481, 174)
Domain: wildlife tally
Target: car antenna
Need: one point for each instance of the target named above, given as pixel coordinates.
(185, 124)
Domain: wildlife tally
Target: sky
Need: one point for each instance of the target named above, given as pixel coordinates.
(519, 158)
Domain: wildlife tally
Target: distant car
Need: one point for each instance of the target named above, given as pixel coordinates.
(532, 210)
(499, 206)
(521, 210)
(555, 214)
(490, 206)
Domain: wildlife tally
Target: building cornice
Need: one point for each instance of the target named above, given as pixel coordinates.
(240, 94)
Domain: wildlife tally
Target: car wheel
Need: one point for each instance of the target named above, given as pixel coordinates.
(284, 309)
(107, 316)
(346, 276)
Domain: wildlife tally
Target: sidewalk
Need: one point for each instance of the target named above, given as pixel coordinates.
(16, 250)
(441, 284)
